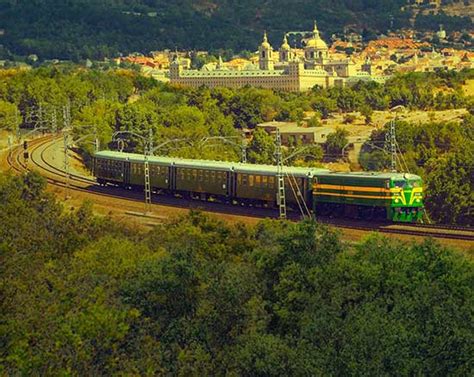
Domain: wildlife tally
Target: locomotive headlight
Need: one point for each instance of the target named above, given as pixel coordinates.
(396, 200)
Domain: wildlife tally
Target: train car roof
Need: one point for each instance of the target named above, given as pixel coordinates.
(217, 165)
(373, 175)
(250, 168)
(162, 160)
(272, 169)
(133, 157)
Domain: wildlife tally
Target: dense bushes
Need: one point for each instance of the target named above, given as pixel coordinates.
(81, 295)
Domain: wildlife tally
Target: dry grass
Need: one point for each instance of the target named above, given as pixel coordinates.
(469, 88)
(382, 117)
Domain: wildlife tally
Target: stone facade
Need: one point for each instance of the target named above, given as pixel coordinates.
(283, 70)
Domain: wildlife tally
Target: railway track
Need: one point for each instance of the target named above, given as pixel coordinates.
(424, 230)
(55, 176)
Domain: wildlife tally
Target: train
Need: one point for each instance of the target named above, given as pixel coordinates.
(396, 197)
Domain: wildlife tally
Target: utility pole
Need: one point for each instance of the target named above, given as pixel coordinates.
(281, 199)
(39, 117)
(147, 179)
(150, 142)
(10, 145)
(66, 115)
(393, 147)
(66, 163)
(54, 123)
(96, 139)
(244, 150)
(148, 151)
(17, 123)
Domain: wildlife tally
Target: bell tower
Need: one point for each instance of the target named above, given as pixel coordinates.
(265, 54)
(175, 68)
(285, 51)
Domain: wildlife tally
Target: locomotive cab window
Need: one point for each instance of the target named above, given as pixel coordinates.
(401, 184)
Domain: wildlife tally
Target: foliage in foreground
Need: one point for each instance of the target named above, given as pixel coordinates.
(83, 296)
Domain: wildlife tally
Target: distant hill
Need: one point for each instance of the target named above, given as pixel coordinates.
(459, 8)
(75, 29)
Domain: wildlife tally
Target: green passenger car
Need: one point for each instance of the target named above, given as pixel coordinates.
(400, 196)
(109, 170)
(159, 174)
(211, 178)
(130, 169)
(259, 182)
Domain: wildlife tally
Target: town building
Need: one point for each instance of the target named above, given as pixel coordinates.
(292, 134)
(286, 69)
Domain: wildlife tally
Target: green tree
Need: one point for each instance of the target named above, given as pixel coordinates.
(376, 160)
(367, 113)
(138, 117)
(314, 121)
(323, 105)
(10, 118)
(262, 148)
(450, 187)
(336, 141)
(97, 120)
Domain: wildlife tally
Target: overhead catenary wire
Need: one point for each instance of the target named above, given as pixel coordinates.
(295, 195)
(298, 196)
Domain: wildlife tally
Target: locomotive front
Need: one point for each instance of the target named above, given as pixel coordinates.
(407, 198)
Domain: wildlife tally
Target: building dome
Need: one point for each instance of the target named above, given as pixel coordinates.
(316, 41)
(285, 45)
(265, 43)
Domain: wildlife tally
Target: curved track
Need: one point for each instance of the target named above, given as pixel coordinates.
(56, 176)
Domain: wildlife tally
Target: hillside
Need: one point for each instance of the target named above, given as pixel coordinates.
(97, 28)
(456, 8)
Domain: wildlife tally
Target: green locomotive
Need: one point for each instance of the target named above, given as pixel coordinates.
(393, 196)
(396, 196)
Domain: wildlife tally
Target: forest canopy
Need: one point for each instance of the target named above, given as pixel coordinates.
(82, 295)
